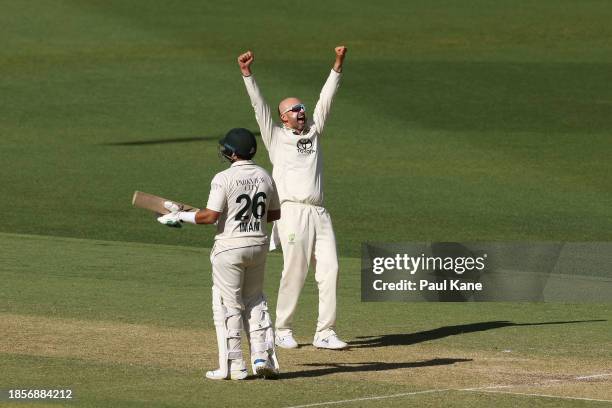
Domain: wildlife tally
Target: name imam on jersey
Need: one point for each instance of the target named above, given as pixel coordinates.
(255, 206)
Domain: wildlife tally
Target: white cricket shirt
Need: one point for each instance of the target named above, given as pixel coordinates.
(297, 158)
(243, 194)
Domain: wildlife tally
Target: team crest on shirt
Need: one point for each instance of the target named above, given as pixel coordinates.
(304, 147)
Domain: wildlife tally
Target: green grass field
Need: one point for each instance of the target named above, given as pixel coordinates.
(472, 120)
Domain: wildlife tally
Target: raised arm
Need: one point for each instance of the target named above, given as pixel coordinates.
(323, 107)
(262, 110)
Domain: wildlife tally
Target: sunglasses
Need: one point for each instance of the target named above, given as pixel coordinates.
(296, 108)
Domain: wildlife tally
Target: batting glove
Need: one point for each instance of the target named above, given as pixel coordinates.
(172, 218)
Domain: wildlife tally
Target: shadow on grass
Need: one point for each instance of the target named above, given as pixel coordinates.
(169, 140)
(441, 332)
(335, 368)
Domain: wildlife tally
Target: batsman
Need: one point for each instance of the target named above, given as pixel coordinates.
(242, 200)
(305, 228)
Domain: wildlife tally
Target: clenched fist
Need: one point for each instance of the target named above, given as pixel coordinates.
(340, 53)
(244, 61)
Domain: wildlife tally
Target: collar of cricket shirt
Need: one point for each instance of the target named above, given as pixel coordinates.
(242, 163)
(296, 132)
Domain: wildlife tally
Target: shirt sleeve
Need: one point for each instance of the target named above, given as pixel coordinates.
(262, 110)
(323, 107)
(217, 198)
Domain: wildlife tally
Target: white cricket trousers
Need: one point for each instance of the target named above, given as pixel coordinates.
(239, 275)
(307, 237)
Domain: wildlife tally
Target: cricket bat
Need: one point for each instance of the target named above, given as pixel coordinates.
(156, 204)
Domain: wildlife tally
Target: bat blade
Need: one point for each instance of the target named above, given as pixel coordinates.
(155, 203)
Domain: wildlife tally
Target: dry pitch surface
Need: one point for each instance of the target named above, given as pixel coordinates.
(425, 367)
(129, 335)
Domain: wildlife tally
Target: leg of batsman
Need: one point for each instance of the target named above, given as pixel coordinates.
(227, 315)
(228, 325)
(261, 336)
(257, 320)
(297, 238)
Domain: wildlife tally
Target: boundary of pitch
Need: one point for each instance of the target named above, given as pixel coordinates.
(42, 237)
(490, 389)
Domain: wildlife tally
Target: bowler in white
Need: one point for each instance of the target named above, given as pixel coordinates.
(305, 228)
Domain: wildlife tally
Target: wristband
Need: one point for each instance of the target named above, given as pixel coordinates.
(187, 216)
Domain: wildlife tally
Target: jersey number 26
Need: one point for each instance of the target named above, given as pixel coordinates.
(257, 206)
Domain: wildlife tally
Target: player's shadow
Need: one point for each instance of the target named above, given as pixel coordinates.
(169, 140)
(335, 368)
(445, 331)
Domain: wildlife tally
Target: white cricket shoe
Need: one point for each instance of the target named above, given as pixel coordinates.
(330, 341)
(286, 341)
(264, 369)
(237, 372)
(234, 375)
